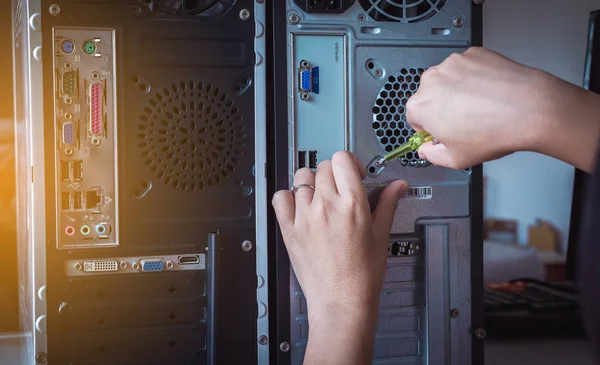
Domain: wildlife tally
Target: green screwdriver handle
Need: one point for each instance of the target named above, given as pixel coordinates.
(413, 144)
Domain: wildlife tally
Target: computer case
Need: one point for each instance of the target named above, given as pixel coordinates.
(342, 73)
(141, 156)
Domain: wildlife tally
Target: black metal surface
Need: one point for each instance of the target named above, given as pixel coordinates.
(187, 60)
(278, 151)
(324, 6)
(476, 196)
(212, 290)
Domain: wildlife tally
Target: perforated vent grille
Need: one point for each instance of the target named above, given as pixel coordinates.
(190, 135)
(404, 11)
(389, 113)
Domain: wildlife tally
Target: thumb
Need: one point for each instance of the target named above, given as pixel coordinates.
(436, 154)
(383, 216)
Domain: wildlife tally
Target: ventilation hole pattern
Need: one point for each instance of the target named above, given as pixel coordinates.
(404, 11)
(389, 113)
(190, 135)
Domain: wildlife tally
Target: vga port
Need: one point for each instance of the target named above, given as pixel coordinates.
(305, 80)
(96, 108)
(69, 83)
(69, 136)
(152, 265)
(100, 266)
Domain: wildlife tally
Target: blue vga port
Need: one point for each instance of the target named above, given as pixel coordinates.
(152, 265)
(305, 80)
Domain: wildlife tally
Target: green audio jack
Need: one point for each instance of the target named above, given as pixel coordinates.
(413, 144)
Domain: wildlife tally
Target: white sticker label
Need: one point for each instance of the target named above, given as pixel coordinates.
(420, 192)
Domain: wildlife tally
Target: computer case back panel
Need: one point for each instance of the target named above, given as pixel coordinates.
(146, 154)
(351, 67)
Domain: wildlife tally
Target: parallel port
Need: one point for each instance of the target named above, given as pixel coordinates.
(96, 112)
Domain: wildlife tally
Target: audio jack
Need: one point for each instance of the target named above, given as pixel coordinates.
(413, 144)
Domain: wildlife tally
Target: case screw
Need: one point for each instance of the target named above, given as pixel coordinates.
(454, 313)
(54, 11)
(378, 73)
(246, 246)
(245, 14)
(284, 347)
(293, 18)
(478, 2)
(458, 22)
(41, 357)
(135, 266)
(480, 333)
(362, 18)
(263, 340)
(77, 266)
(123, 265)
(169, 265)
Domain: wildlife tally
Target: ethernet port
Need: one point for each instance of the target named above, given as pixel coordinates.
(93, 200)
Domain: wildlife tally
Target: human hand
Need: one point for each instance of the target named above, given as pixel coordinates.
(338, 251)
(482, 106)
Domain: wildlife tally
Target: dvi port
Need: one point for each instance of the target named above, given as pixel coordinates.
(100, 266)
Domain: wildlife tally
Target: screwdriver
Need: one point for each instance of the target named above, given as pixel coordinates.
(413, 144)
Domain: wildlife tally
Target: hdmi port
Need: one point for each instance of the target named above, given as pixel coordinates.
(189, 260)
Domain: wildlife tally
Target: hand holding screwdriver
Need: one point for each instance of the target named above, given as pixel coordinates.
(413, 144)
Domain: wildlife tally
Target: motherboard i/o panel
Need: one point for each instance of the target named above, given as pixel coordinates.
(350, 68)
(142, 182)
(85, 130)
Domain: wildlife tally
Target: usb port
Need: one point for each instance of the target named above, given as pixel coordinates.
(65, 170)
(77, 198)
(312, 159)
(65, 200)
(77, 170)
(301, 159)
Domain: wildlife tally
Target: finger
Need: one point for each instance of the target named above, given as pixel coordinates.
(347, 173)
(437, 154)
(304, 196)
(383, 216)
(285, 208)
(324, 181)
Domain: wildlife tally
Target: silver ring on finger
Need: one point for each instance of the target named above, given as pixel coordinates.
(295, 188)
(435, 141)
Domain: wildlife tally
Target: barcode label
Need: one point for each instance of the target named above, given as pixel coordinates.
(421, 192)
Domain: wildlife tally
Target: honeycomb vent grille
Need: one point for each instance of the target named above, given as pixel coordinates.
(190, 135)
(389, 113)
(404, 11)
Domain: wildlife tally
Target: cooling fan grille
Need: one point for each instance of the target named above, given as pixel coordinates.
(404, 11)
(190, 135)
(389, 113)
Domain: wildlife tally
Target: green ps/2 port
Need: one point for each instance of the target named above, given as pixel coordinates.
(89, 47)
